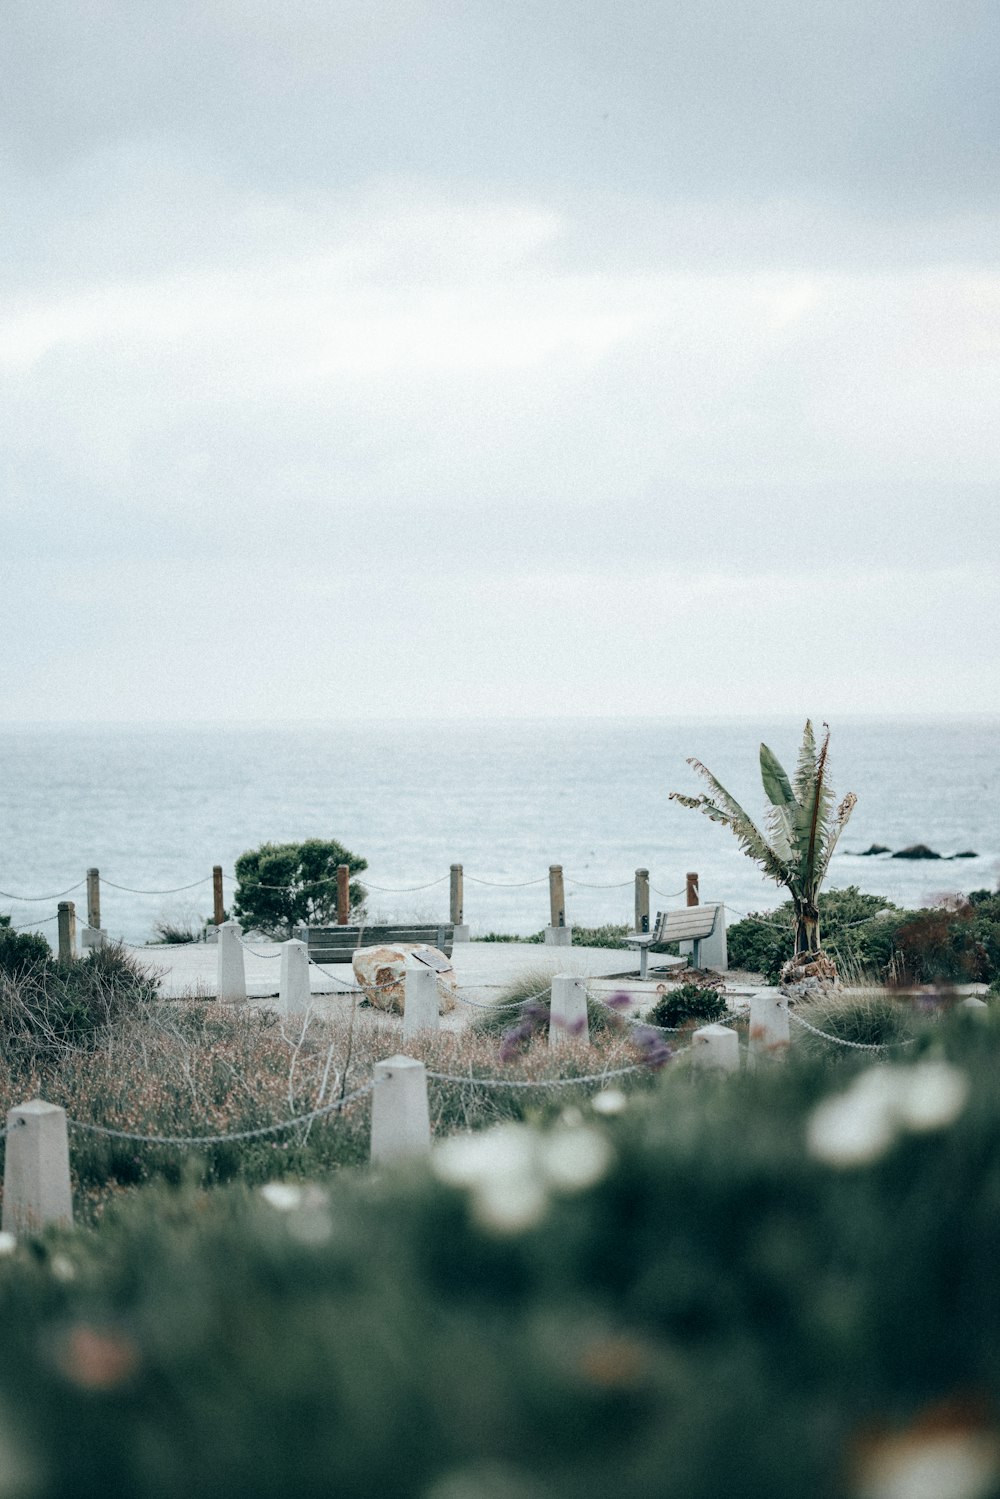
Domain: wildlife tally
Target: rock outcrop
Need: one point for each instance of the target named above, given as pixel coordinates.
(381, 972)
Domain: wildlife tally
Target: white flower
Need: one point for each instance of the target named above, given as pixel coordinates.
(511, 1169)
(860, 1125)
(940, 1465)
(574, 1159)
(8, 1243)
(62, 1267)
(282, 1195)
(608, 1101)
(935, 1095)
(850, 1130)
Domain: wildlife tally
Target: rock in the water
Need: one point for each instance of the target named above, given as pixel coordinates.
(967, 853)
(876, 848)
(916, 851)
(381, 972)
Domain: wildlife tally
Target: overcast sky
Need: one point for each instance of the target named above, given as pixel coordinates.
(503, 356)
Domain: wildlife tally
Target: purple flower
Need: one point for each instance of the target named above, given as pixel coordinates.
(619, 1001)
(655, 1051)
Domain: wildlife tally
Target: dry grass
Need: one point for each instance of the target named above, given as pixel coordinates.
(201, 1069)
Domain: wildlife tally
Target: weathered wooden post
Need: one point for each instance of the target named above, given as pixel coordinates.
(66, 921)
(420, 999)
(692, 889)
(715, 1048)
(343, 894)
(641, 900)
(293, 983)
(218, 901)
(93, 935)
(401, 1121)
(457, 916)
(232, 982)
(36, 1190)
(769, 1030)
(557, 933)
(94, 898)
(568, 1010)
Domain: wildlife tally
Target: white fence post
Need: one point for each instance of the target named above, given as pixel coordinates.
(715, 1048)
(36, 1189)
(420, 999)
(293, 983)
(401, 1121)
(568, 1010)
(232, 983)
(769, 1030)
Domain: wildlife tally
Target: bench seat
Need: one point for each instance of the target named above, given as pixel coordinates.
(688, 924)
(337, 944)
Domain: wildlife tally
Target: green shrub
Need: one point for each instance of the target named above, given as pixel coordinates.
(283, 885)
(852, 928)
(704, 1306)
(21, 951)
(869, 1017)
(47, 1006)
(523, 1006)
(688, 1002)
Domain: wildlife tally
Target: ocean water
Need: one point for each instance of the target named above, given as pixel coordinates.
(156, 807)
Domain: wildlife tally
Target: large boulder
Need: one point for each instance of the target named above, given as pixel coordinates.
(381, 972)
(916, 851)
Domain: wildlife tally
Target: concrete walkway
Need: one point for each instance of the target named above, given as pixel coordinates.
(482, 968)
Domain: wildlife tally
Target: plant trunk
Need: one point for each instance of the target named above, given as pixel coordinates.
(806, 928)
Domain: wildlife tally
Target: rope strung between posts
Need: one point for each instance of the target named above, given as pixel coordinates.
(55, 896)
(491, 1004)
(174, 890)
(408, 889)
(550, 1082)
(28, 925)
(586, 885)
(507, 884)
(255, 951)
(246, 1134)
(673, 894)
(839, 1041)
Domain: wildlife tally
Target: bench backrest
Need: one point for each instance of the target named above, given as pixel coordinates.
(336, 944)
(686, 924)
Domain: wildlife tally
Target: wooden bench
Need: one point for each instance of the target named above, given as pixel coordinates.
(337, 944)
(689, 924)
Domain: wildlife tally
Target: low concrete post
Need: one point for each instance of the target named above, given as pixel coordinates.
(769, 1029)
(401, 1121)
(232, 983)
(568, 1010)
(715, 1048)
(343, 893)
(457, 916)
(36, 1189)
(557, 933)
(218, 901)
(641, 900)
(715, 948)
(66, 920)
(293, 983)
(420, 999)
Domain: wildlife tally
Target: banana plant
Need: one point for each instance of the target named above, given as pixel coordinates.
(802, 827)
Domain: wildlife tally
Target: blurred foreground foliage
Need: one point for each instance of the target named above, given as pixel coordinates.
(716, 1310)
